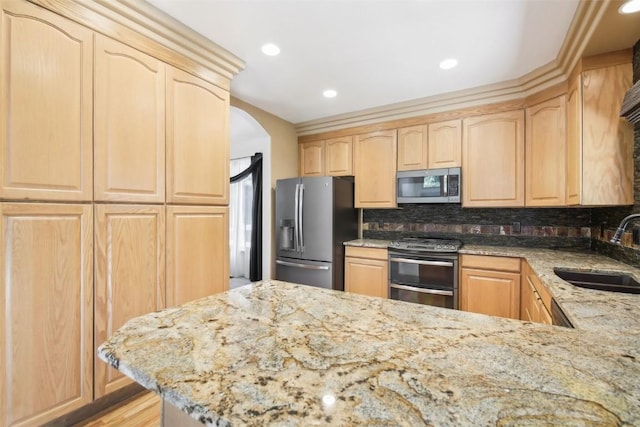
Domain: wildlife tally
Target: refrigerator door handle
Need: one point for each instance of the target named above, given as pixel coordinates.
(296, 224)
(301, 216)
(305, 266)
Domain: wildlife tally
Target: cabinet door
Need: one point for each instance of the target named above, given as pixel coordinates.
(129, 124)
(46, 108)
(496, 293)
(546, 153)
(366, 277)
(445, 144)
(46, 304)
(607, 141)
(412, 148)
(574, 140)
(339, 156)
(129, 275)
(197, 140)
(311, 158)
(493, 160)
(197, 252)
(375, 170)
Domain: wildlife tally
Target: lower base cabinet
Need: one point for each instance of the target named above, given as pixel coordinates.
(535, 299)
(490, 285)
(197, 252)
(129, 282)
(46, 307)
(366, 271)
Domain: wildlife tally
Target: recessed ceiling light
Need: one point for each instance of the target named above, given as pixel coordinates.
(630, 6)
(448, 63)
(270, 49)
(330, 93)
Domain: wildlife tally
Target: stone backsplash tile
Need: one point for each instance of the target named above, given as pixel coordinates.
(478, 229)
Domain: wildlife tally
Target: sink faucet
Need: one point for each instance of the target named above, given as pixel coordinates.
(623, 225)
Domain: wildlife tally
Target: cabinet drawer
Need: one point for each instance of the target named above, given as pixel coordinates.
(541, 289)
(490, 262)
(361, 252)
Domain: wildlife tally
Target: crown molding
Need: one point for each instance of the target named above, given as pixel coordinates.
(150, 30)
(585, 20)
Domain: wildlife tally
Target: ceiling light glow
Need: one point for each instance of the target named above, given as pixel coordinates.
(449, 63)
(270, 49)
(330, 93)
(630, 6)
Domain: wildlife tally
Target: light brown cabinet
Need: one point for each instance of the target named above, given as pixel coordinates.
(46, 145)
(445, 144)
(332, 157)
(600, 142)
(197, 252)
(46, 307)
(130, 275)
(197, 140)
(129, 124)
(339, 156)
(545, 153)
(493, 160)
(375, 169)
(432, 146)
(161, 136)
(535, 299)
(413, 148)
(366, 271)
(490, 285)
(311, 158)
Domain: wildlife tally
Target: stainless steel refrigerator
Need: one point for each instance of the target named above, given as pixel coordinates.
(314, 217)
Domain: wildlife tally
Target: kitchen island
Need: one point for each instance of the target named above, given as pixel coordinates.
(275, 353)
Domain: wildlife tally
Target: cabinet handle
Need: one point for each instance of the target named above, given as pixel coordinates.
(421, 290)
(413, 261)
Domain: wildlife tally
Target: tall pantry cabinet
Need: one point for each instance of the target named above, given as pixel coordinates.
(113, 193)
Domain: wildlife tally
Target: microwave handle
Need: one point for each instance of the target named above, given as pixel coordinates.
(445, 185)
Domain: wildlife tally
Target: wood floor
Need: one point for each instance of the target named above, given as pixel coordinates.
(139, 411)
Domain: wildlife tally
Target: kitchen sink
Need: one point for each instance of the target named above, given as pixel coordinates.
(600, 280)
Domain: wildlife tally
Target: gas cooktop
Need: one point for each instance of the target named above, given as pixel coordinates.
(426, 244)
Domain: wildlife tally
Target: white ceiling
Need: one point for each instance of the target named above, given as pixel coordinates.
(373, 52)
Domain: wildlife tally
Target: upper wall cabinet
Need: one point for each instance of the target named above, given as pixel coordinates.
(339, 156)
(545, 153)
(333, 157)
(445, 144)
(46, 108)
(311, 158)
(375, 169)
(129, 124)
(197, 140)
(493, 160)
(413, 148)
(433, 146)
(600, 143)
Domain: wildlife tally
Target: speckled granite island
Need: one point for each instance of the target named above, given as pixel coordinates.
(275, 353)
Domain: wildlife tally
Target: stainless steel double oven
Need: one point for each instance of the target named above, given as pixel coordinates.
(424, 271)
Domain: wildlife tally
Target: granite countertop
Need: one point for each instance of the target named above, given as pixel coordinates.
(275, 353)
(369, 243)
(607, 312)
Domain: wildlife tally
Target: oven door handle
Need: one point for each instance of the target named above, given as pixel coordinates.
(421, 290)
(415, 261)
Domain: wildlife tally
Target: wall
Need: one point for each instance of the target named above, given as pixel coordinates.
(284, 154)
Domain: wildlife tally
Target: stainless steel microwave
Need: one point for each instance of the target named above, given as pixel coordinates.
(429, 186)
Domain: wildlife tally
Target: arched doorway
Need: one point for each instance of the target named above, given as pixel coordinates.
(248, 137)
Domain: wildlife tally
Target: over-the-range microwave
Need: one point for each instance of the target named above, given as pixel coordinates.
(429, 186)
